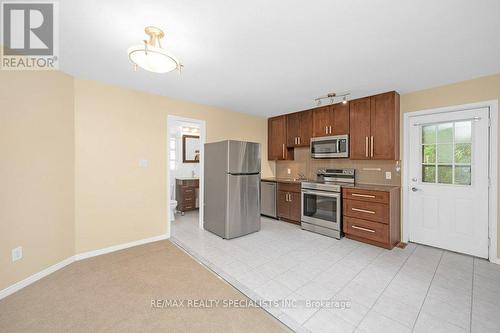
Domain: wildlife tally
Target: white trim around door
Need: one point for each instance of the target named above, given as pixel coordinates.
(202, 125)
(493, 167)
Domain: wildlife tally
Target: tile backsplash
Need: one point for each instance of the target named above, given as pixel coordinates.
(367, 172)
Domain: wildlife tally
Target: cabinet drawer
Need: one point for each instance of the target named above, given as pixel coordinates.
(186, 199)
(287, 187)
(187, 206)
(187, 190)
(374, 231)
(366, 195)
(372, 211)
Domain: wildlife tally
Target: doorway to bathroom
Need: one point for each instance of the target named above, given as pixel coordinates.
(185, 143)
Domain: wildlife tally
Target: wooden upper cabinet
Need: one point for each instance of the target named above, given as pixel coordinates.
(292, 129)
(306, 128)
(359, 129)
(331, 120)
(374, 127)
(322, 120)
(276, 139)
(385, 126)
(340, 119)
(299, 129)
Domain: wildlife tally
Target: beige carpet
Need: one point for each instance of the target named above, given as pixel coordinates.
(113, 293)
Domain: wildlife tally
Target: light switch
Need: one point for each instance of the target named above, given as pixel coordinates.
(143, 163)
(388, 175)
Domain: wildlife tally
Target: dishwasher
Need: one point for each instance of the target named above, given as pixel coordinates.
(268, 199)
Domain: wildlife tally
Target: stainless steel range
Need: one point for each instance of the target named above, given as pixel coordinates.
(322, 201)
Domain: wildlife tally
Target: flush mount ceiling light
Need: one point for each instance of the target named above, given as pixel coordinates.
(151, 56)
(332, 97)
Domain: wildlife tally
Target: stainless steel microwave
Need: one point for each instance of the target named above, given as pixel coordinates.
(336, 146)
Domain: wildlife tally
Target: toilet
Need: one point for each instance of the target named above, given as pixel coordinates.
(173, 206)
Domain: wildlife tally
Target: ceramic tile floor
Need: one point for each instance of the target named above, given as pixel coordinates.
(416, 289)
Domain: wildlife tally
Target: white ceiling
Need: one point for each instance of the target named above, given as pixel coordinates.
(275, 56)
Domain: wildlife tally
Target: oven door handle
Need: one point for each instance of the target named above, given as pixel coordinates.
(325, 194)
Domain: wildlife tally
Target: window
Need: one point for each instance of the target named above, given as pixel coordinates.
(446, 153)
(173, 153)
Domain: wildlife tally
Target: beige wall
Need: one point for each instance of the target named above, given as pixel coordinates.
(477, 90)
(36, 171)
(116, 201)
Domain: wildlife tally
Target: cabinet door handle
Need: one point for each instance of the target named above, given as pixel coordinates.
(283, 151)
(330, 129)
(366, 146)
(363, 195)
(372, 145)
(363, 211)
(299, 140)
(363, 229)
(326, 129)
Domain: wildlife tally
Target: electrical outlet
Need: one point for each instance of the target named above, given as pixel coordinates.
(388, 175)
(17, 253)
(143, 163)
(289, 171)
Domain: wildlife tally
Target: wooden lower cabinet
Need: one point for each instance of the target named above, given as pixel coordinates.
(372, 216)
(289, 202)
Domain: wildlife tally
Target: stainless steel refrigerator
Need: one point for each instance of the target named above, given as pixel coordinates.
(232, 188)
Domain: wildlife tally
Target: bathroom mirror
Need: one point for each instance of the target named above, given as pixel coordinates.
(190, 149)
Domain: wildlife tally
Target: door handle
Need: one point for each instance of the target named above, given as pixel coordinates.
(372, 146)
(414, 189)
(366, 146)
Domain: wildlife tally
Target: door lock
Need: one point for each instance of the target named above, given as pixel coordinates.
(414, 189)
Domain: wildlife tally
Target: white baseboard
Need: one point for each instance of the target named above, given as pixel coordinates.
(118, 247)
(35, 277)
(49, 270)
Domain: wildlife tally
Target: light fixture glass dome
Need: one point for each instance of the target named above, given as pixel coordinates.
(151, 56)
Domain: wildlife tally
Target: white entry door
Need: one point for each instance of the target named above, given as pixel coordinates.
(448, 178)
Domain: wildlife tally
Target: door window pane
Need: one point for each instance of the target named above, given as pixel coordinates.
(445, 153)
(463, 152)
(462, 175)
(445, 133)
(429, 154)
(429, 134)
(428, 174)
(445, 174)
(463, 132)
